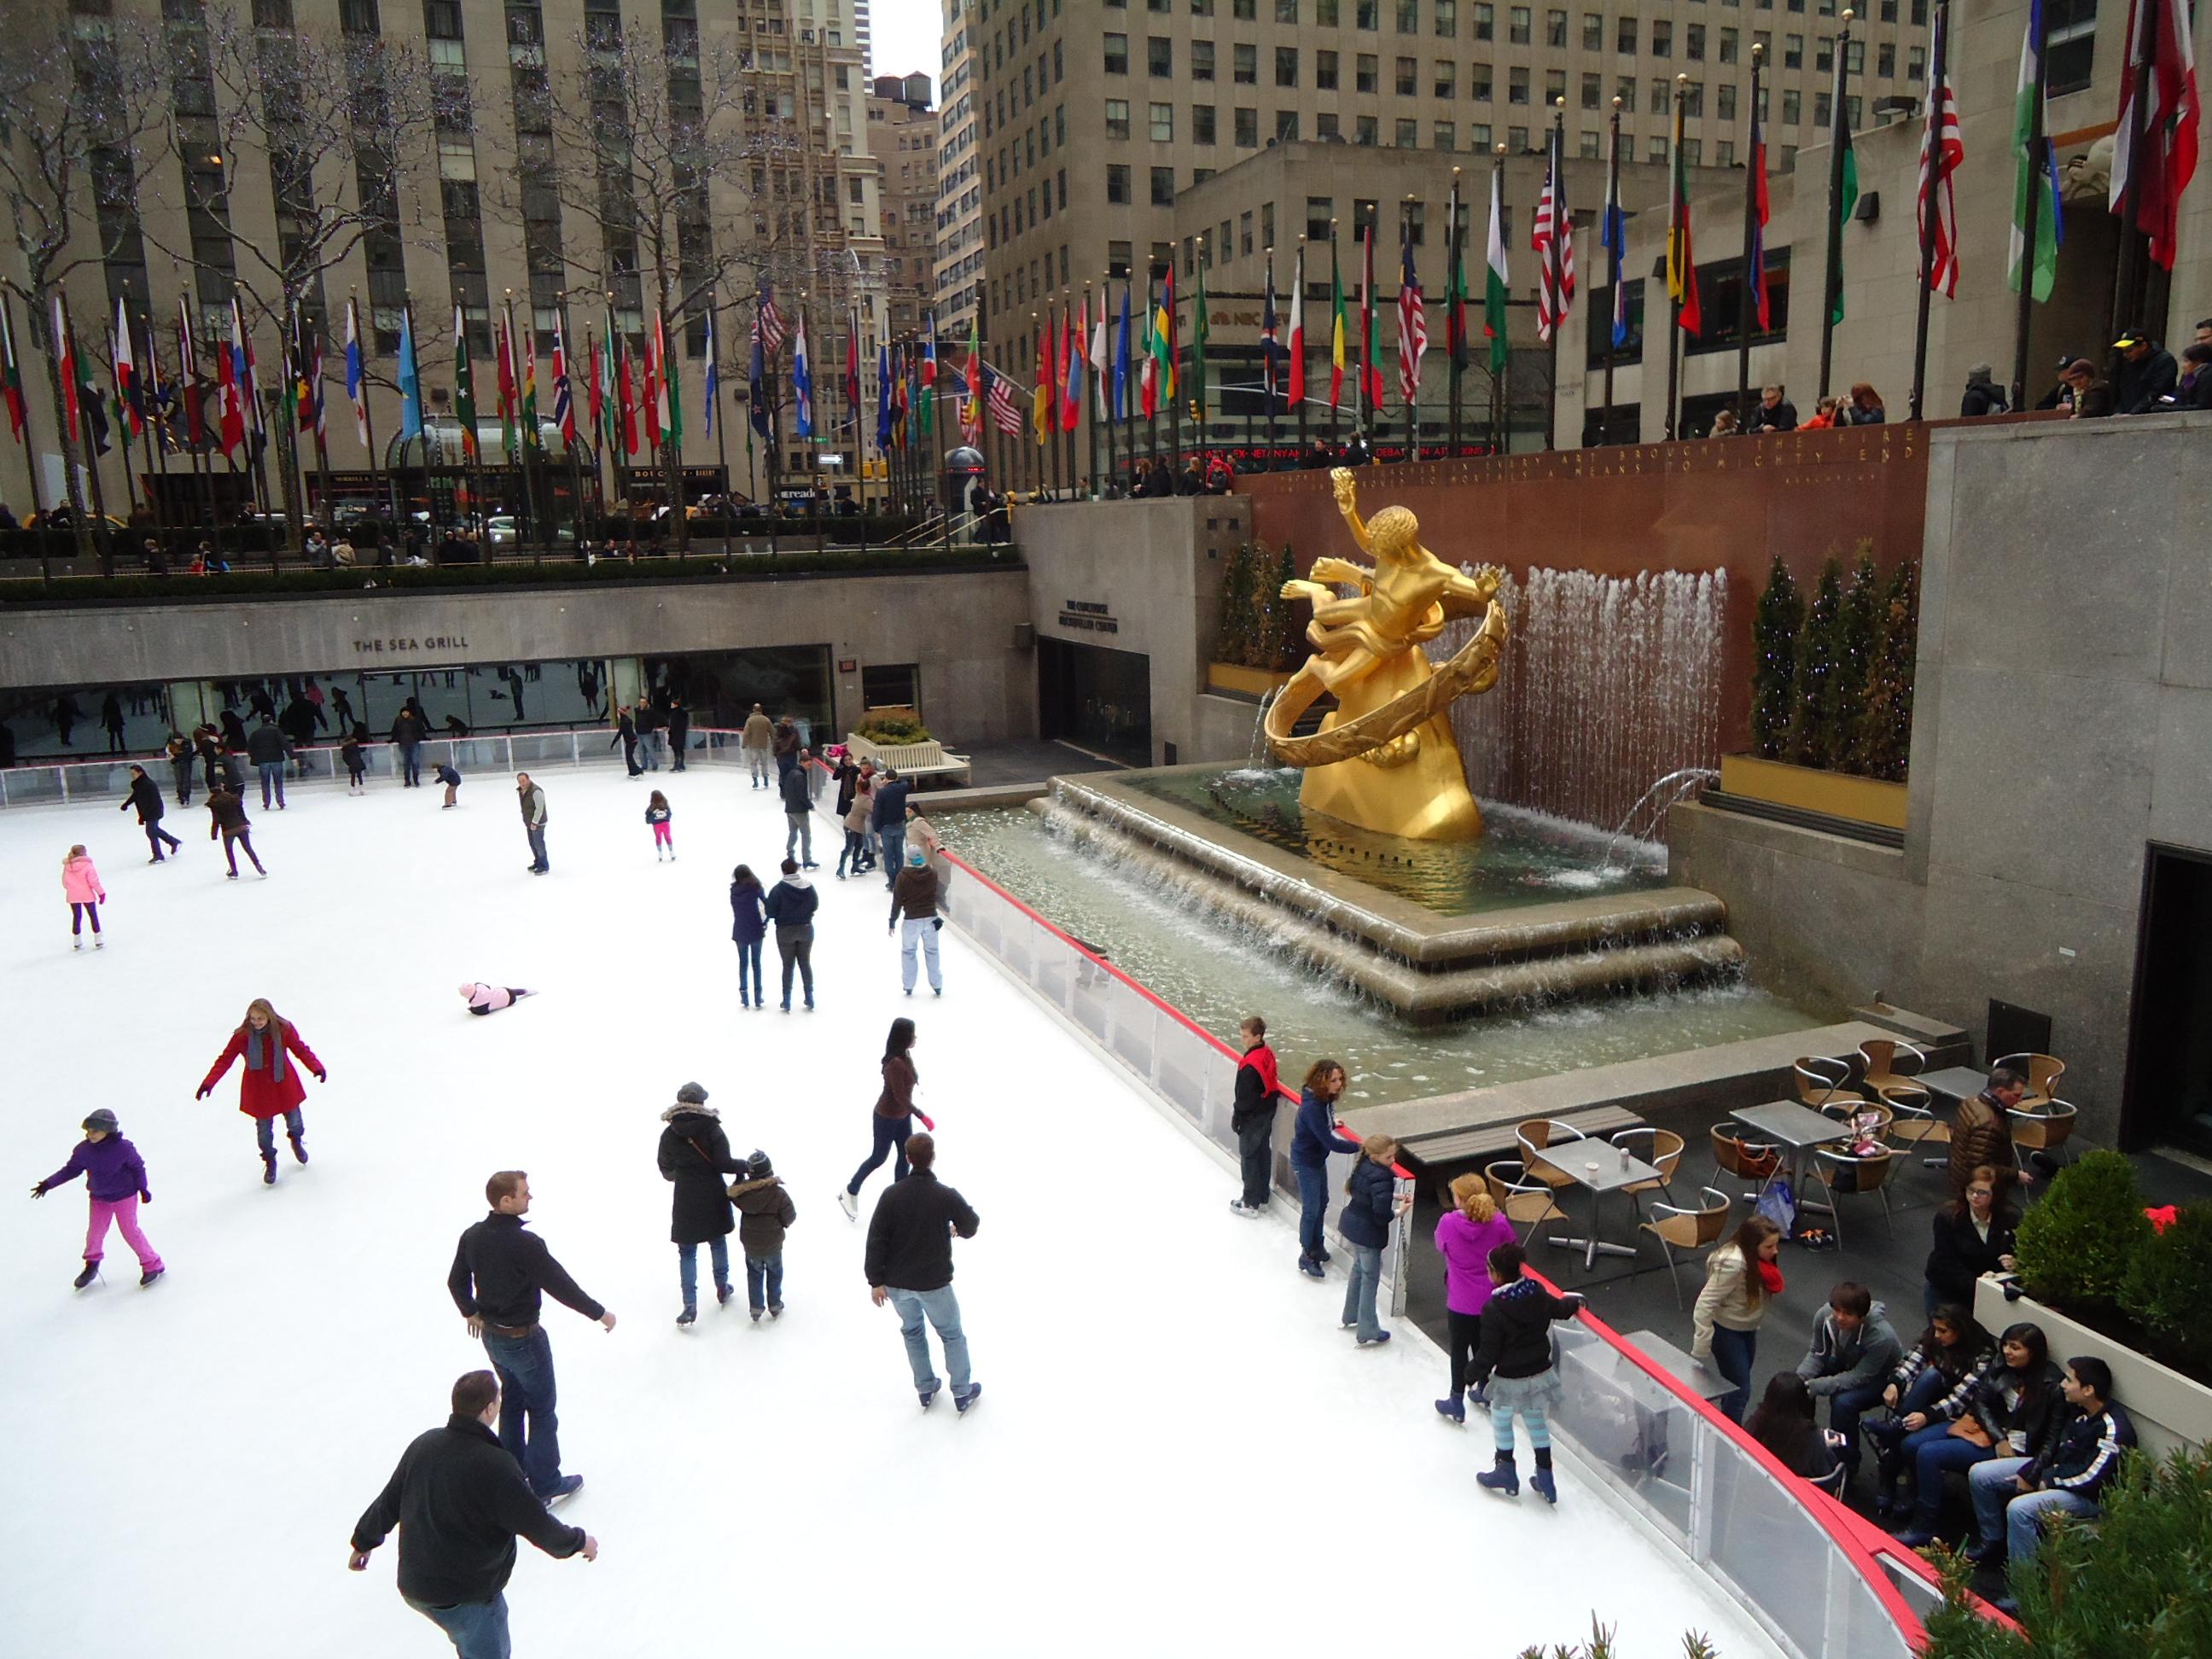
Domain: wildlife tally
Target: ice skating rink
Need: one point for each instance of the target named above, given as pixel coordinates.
(1177, 1451)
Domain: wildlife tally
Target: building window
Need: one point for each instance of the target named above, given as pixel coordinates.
(1286, 11)
(1446, 79)
(1793, 51)
(1117, 54)
(1555, 28)
(1117, 183)
(1593, 90)
(1916, 63)
(1286, 126)
(1656, 150)
(1516, 86)
(1486, 24)
(1287, 66)
(1593, 31)
(1117, 118)
(1201, 124)
(1248, 129)
(1320, 211)
(1163, 186)
(1163, 123)
(1693, 99)
(1117, 260)
(1201, 60)
(1589, 148)
(1728, 100)
(2070, 43)
(1824, 54)
(1409, 17)
(1730, 38)
(1409, 76)
(1244, 65)
(1244, 235)
(1366, 131)
(1326, 128)
(1365, 69)
(1624, 37)
(1516, 140)
(1478, 134)
(1662, 37)
(1516, 26)
(1555, 87)
(1885, 61)
(1623, 88)
(1444, 136)
(1408, 135)
(1368, 15)
(1159, 56)
(1325, 71)
(1447, 20)
(1478, 83)
(1793, 106)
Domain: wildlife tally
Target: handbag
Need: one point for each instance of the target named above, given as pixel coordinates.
(1970, 1428)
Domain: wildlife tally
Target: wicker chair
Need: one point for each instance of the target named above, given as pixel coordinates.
(1661, 1149)
(1746, 1160)
(1880, 1057)
(2042, 1073)
(1821, 1078)
(2043, 1131)
(1688, 1230)
(1539, 1134)
(1867, 1174)
(1525, 1203)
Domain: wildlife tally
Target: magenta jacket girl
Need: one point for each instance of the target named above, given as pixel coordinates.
(1465, 1237)
(81, 887)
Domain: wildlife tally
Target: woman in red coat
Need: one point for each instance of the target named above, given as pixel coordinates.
(272, 1086)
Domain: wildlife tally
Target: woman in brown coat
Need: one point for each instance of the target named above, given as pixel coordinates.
(1980, 1134)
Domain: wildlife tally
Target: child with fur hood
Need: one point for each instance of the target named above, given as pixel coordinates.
(765, 1209)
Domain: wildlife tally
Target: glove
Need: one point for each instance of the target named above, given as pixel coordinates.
(145, 1197)
(201, 1093)
(39, 1191)
(322, 1077)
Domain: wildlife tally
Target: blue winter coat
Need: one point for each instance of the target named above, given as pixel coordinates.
(1314, 1136)
(792, 903)
(112, 1169)
(890, 810)
(748, 925)
(1366, 1216)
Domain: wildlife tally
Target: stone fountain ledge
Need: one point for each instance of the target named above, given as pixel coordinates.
(1386, 922)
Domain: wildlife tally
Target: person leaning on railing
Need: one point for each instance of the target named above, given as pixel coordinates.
(1740, 1277)
(1314, 1139)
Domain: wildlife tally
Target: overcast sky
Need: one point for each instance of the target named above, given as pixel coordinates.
(909, 35)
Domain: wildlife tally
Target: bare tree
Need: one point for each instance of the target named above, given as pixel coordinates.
(80, 122)
(332, 125)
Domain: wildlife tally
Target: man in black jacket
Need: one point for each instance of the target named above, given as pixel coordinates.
(888, 816)
(459, 1503)
(909, 1262)
(500, 1273)
(266, 749)
(2013, 1494)
(798, 817)
(1252, 1116)
(1775, 412)
(2147, 375)
(679, 731)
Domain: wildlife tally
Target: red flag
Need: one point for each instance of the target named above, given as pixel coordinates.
(2168, 160)
(596, 391)
(188, 375)
(628, 389)
(1371, 341)
(1937, 164)
(651, 401)
(67, 347)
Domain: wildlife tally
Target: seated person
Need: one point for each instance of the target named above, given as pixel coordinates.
(2009, 1410)
(1929, 1382)
(490, 998)
(2013, 1494)
(1853, 1351)
(1783, 1423)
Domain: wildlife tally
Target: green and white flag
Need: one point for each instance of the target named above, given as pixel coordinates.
(1495, 283)
(2035, 167)
(1847, 188)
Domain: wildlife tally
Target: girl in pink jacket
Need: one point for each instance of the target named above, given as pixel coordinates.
(80, 886)
(1466, 1235)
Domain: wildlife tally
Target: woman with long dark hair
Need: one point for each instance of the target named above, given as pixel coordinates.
(893, 1118)
(2010, 1409)
(1941, 1366)
(1784, 1423)
(747, 927)
(1311, 1142)
(270, 1086)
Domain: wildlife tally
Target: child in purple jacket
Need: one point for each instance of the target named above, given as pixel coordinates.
(116, 1177)
(1465, 1237)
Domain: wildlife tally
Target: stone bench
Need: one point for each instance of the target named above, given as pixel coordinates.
(913, 761)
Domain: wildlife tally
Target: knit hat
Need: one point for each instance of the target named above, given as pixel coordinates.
(916, 857)
(103, 1120)
(757, 1167)
(691, 1095)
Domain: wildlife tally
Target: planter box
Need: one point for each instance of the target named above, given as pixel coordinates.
(915, 761)
(1835, 794)
(1245, 681)
(2170, 1411)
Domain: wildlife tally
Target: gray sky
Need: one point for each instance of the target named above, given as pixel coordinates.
(909, 35)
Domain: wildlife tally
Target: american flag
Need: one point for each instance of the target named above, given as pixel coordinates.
(1940, 133)
(1003, 412)
(1553, 220)
(767, 321)
(1413, 321)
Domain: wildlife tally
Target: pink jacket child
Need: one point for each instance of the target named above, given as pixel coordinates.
(1466, 1236)
(116, 1177)
(81, 887)
(490, 998)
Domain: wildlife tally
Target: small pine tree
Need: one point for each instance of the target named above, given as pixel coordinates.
(1881, 746)
(1813, 718)
(1856, 630)
(1774, 674)
(2075, 1247)
(1287, 634)
(1231, 633)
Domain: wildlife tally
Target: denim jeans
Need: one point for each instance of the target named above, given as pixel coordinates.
(650, 744)
(1844, 1410)
(919, 931)
(528, 1426)
(1256, 1141)
(1733, 1354)
(2001, 1510)
(156, 835)
(1359, 1289)
(1313, 1207)
(1931, 1452)
(687, 1261)
(800, 835)
(891, 1132)
(751, 987)
(264, 1131)
(894, 845)
(764, 1281)
(943, 1311)
(272, 776)
(478, 1629)
(536, 834)
(411, 770)
(851, 852)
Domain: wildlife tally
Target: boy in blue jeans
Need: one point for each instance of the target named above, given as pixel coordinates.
(764, 1210)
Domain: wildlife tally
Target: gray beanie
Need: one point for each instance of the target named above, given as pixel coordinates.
(103, 1120)
(757, 1167)
(691, 1095)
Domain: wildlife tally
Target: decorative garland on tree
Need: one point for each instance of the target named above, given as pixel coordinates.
(1774, 679)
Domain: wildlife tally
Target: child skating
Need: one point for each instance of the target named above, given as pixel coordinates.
(1514, 1362)
(764, 1211)
(657, 814)
(270, 1086)
(115, 1177)
(357, 765)
(81, 887)
(490, 998)
(452, 779)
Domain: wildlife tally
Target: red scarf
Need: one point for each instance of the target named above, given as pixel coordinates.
(1261, 1059)
(1769, 1276)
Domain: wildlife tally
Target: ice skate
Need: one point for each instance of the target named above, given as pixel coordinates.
(147, 1278)
(1454, 1409)
(269, 1168)
(849, 1202)
(963, 1398)
(1504, 1478)
(1542, 1485)
(567, 1486)
(689, 1314)
(929, 1395)
(299, 1148)
(91, 1271)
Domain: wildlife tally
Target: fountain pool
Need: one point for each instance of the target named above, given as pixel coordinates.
(1216, 973)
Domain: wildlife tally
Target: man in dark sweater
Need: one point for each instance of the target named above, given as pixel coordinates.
(1252, 1115)
(910, 1263)
(500, 1273)
(266, 749)
(679, 731)
(913, 894)
(889, 816)
(459, 1503)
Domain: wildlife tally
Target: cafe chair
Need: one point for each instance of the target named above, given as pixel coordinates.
(1846, 1108)
(2042, 1073)
(1881, 1057)
(2043, 1131)
(1846, 1175)
(1755, 1161)
(1688, 1230)
(1526, 1204)
(1661, 1149)
(1539, 1134)
(1833, 1482)
(1821, 1079)
(1916, 1129)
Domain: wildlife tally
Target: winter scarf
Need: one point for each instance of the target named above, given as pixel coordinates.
(1770, 1277)
(253, 1043)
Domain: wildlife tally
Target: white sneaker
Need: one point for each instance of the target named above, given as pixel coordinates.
(1249, 1212)
(849, 1203)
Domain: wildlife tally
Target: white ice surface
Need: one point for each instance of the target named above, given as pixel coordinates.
(1177, 1450)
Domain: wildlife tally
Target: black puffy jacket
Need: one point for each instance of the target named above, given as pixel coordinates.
(1372, 1194)
(695, 1154)
(1516, 1329)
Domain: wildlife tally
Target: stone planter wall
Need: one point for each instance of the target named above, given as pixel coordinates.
(2169, 1410)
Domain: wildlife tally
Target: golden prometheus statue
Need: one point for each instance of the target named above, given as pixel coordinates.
(1384, 757)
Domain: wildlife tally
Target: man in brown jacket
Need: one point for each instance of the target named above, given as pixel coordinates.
(759, 742)
(1980, 1134)
(914, 893)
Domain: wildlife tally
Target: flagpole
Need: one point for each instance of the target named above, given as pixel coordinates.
(122, 432)
(1106, 385)
(712, 373)
(1454, 333)
(1554, 263)
(1745, 318)
(568, 443)
(1501, 435)
(161, 423)
(1366, 333)
(2038, 31)
(1675, 208)
(1613, 345)
(813, 455)
(1833, 283)
(1414, 403)
(512, 370)
(91, 461)
(30, 451)
(1174, 367)
(2127, 272)
(322, 439)
(1097, 391)
(1931, 168)
(1152, 358)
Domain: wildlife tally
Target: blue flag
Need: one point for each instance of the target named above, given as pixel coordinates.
(1120, 405)
(802, 381)
(713, 368)
(1612, 236)
(411, 379)
(883, 398)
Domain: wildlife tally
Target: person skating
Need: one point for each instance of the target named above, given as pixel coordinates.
(270, 1087)
(409, 728)
(695, 1154)
(532, 799)
(797, 815)
(145, 797)
(115, 1176)
(909, 1264)
(790, 905)
(227, 817)
(765, 1210)
(888, 817)
(1372, 1204)
(81, 887)
(658, 813)
(356, 764)
(490, 998)
(460, 1503)
(1252, 1116)
(450, 776)
(748, 927)
(1513, 1366)
(1466, 1235)
(785, 746)
(181, 755)
(758, 743)
(892, 1120)
(915, 895)
(499, 1277)
(854, 814)
(1313, 1139)
(680, 733)
(626, 735)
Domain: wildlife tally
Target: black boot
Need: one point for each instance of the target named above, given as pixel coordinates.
(299, 1148)
(269, 1168)
(91, 1271)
